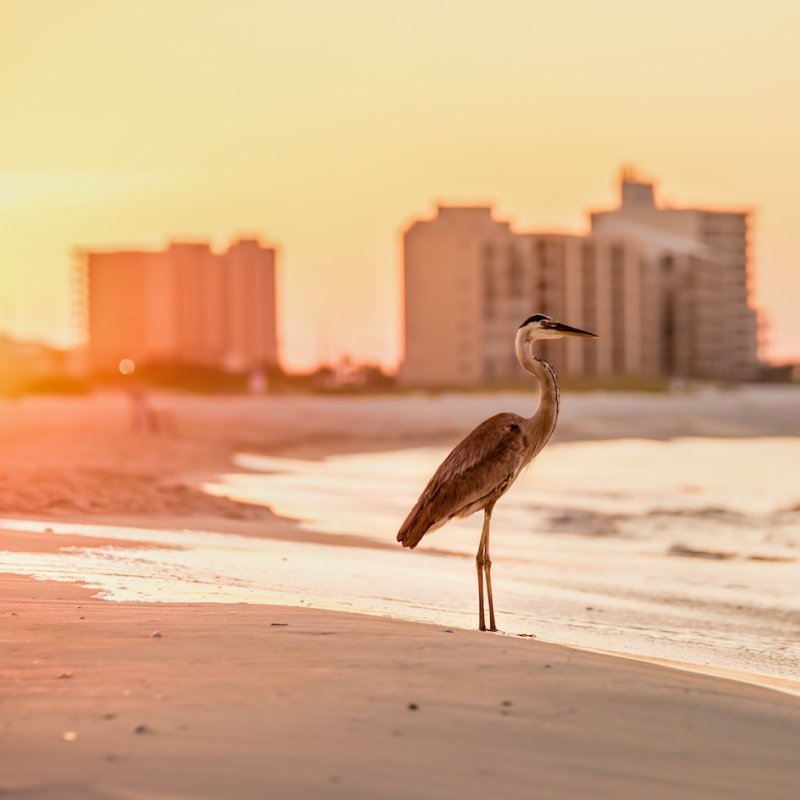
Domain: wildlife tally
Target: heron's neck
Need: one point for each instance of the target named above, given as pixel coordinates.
(543, 422)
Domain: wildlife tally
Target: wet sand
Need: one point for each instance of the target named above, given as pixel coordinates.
(240, 701)
(256, 701)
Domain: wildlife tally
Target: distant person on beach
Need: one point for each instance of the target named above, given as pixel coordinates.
(144, 418)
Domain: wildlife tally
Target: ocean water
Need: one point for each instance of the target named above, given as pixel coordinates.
(685, 551)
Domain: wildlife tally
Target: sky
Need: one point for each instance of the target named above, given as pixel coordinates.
(326, 127)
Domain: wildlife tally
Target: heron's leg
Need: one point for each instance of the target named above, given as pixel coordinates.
(487, 567)
(479, 562)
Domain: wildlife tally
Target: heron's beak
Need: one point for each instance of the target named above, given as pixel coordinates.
(568, 330)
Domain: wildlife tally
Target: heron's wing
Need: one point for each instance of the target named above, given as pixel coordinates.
(482, 463)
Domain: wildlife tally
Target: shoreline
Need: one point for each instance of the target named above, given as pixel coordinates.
(23, 541)
(246, 700)
(69, 458)
(238, 697)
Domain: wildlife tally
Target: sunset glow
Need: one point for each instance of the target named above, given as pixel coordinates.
(324, 128)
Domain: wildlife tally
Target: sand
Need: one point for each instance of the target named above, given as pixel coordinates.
(73, 457)
(240, 701)
(255, 701)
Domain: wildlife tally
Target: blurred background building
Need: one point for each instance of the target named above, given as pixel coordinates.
(665, 288)
(183, 305)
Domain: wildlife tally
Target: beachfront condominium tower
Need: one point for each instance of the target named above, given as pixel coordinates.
(665, 300)
(185, 304)
(708, 327)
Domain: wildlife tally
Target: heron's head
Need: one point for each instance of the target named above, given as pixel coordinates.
(540, 326)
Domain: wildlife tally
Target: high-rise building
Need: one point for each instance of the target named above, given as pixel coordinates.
(707, 325)
(666, 299)
(182, 305)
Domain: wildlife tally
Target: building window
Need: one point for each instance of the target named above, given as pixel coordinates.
(541, 252)
(489, 291)
(515, 274)
(589, 304)
(617, 308)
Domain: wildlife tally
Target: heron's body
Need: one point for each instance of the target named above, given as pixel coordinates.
(484, 465)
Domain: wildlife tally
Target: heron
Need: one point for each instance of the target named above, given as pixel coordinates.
(484, 465)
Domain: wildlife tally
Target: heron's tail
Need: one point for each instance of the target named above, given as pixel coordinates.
(419, 522)
(416, 525)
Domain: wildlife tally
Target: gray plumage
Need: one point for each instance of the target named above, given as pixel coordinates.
(478, 471)
(484, 465)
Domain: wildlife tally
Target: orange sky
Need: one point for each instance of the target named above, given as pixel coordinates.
(327, 126)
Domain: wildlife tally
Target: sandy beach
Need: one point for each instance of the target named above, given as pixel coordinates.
(252, 701)
(248, 699)
(72, 457)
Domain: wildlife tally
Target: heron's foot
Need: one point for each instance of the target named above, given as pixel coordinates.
(493, 628)
(482, 626)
